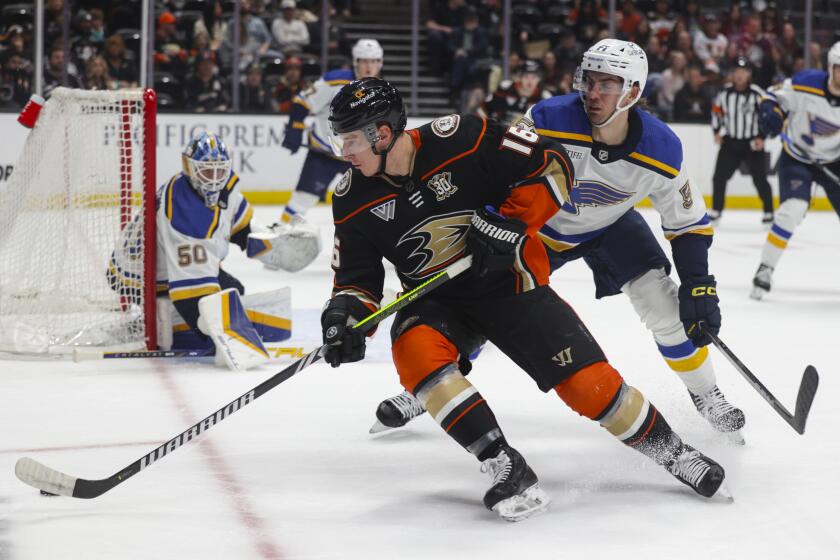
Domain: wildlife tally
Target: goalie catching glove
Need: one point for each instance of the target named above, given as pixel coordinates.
(283, 246)
(493, 240)
(345, 344)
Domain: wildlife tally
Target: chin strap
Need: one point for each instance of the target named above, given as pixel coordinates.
(384, 154)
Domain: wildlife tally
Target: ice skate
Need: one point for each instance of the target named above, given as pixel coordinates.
(767, 220)
(714, 217)
(694, 469)
(762, 281)
(396, 412)
(723, 417)
(515, 492)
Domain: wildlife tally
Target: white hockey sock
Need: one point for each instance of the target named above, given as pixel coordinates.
(789, 215)
(300, 203)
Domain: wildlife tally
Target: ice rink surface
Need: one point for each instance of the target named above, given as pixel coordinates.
(296, 475)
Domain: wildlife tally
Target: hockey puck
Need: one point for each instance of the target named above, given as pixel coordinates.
(45, 493)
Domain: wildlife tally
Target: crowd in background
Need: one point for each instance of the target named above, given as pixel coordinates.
(690, 48)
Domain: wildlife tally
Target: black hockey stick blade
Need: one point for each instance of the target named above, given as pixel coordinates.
(805, 398)
(49, 480)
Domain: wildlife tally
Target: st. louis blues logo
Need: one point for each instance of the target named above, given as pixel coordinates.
(593, 193)
(819, 127)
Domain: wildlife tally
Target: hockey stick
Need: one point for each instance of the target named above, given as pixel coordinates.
(826, 171)
(80, 355)
(804, 398)
(52, 481)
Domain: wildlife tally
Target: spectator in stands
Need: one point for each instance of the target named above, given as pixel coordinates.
(508, 103)
(54, 71)
(96, 75)
(291, 83)
(771, 22)
(204, 91)
(256, 39)
(15, 79)
(734, 22)
(630, 20)
(656, 55)
(673, 79)
(551, 72)
(119, 68)
(468, 43)
(569, 52)
(661, 19)
(789, 49)
(213, 24)
(82, 47)
(200, 43)
(170, 54)
(97, 27)
(53, 21)
(587, 19)
(692, 17)
(289, 31)
(253, 97)
(444, 16)
(682, 42)
(710, 44)
(693, 103)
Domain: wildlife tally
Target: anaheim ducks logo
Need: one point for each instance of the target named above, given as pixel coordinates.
(437, 242)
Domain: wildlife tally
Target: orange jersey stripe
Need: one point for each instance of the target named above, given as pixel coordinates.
(368, 205)
(459, 156)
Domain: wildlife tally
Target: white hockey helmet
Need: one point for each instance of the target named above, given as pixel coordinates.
(624, 59)
(369, 49)
(833, 56)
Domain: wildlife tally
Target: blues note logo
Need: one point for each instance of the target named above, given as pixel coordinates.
(819, 127)
(593, 193)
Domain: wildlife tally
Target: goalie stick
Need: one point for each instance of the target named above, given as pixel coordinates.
(804, 398)
(51, 481)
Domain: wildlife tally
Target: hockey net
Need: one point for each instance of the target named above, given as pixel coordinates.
(77, 241)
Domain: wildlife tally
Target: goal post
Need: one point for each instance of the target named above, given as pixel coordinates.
(77, 227)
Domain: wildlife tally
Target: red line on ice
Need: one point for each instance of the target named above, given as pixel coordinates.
(259, 529)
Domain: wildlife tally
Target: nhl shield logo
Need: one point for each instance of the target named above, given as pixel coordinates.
(603, 155)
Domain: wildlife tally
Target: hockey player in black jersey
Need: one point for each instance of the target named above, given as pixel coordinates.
(423, 198)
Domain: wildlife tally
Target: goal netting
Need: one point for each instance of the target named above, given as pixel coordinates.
(77, 239)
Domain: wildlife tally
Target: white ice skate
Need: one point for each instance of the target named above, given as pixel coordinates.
(762, 281)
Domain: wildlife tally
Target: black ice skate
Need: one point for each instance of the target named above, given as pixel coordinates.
(691, 467)
(396, 412)
(515, 492)
(723, 417)
(762, 281)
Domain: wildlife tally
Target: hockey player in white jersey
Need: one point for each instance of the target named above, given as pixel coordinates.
(622, 155)
(200, 212)
(805, 110)
(321, 164)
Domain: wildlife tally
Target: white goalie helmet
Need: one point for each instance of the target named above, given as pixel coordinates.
(624, 59)
(833, 56)
(368, 49)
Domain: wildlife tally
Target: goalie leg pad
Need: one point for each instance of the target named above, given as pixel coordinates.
(270, 313)
(222, 317)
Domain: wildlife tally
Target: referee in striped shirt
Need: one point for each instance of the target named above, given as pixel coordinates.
(735, 124)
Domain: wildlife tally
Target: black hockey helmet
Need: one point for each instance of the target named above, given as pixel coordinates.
(366, 104)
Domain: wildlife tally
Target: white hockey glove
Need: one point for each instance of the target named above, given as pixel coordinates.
(284, 246)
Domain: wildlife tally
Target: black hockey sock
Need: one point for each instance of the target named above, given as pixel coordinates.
(461, 411)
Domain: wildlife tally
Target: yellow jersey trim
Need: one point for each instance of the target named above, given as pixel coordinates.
(566, 135)
(650, 161)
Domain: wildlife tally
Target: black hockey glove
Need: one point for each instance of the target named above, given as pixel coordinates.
(699, 305)
(346, 344)
(493, 240)
(293, 136)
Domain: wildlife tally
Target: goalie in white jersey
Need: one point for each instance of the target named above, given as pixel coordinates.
(622, 155)
(200, 212)
(805, 110)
